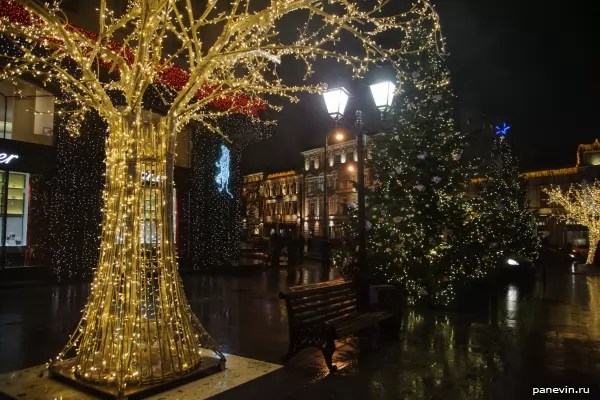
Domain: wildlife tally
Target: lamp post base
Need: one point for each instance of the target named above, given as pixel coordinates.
(63, 371)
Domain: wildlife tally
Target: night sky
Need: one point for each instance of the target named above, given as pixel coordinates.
(527, 62)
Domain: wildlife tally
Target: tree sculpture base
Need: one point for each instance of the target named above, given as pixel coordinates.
(63, 371)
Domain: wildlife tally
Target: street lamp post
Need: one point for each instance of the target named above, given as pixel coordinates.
(335, 101)
(339, 136)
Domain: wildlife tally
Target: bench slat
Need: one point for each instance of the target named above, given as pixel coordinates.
(312, 305)
(327, 313)
(320, 297)
(366, 316)
(331, 314)
(311, 292)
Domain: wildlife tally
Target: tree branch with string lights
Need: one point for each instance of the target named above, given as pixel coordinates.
(137, 327)
(579, 205)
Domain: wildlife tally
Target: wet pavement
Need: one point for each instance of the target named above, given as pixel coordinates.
(546, 338)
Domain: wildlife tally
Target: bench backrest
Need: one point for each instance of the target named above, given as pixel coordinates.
(320, 305)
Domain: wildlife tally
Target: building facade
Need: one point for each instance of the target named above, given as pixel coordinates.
(340, 170)
(273, 203)
(587, 169)
(282, 203)
(252, 219)
(292, 201)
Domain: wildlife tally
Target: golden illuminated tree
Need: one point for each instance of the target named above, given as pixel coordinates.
(137, 327)
(580, 205)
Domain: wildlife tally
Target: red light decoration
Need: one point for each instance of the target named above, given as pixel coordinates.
(173, 76)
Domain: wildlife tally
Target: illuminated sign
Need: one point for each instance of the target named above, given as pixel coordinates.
(6, 158)
(222, 177)
(502, 130)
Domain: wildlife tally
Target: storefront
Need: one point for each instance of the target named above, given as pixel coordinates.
(24, 202)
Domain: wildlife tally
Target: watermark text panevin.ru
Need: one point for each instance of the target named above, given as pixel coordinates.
(562, 390)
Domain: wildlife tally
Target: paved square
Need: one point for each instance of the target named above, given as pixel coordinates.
(27, 384)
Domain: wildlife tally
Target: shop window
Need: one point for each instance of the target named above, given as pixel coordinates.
(29, 115)
(150, 233)
(16, 208)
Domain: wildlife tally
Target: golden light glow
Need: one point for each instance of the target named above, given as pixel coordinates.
(580, 205)
(339, 136)
(550, 172)
(137, 327)
(350, 168)
(541, 174)
(281, 174)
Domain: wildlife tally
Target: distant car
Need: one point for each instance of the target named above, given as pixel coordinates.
(514, 261)
(514, 268)
(580, 253)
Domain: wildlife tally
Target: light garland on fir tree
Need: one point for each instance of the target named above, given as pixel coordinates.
(137, 327)
(579, 205)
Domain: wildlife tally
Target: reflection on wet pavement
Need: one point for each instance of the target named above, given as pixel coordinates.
(548, 337)
(242, 312)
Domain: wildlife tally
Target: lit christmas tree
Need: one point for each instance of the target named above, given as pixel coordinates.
(418, 207)
(509, 224)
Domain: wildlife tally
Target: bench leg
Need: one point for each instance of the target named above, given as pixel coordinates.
(328, 351)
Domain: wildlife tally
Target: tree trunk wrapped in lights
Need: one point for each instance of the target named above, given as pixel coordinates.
(580, 206)
(137, 327)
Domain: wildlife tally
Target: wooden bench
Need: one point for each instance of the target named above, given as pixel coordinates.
(319, 315)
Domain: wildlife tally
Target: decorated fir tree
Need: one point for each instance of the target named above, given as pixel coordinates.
(418, 208)
(509, 224)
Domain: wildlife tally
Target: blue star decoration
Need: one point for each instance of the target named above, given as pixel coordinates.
(222, 177)
(502, 130)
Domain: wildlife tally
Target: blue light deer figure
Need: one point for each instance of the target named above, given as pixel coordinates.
(222, 177)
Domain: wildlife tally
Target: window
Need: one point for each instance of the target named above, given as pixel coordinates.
(16, 209)
(150, 232)
(29, 113)
(311, 208)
